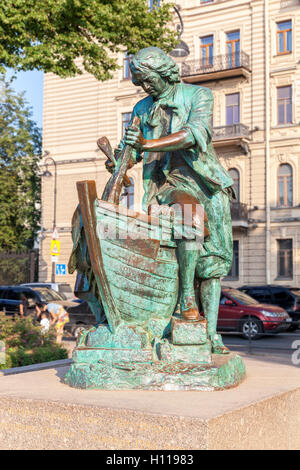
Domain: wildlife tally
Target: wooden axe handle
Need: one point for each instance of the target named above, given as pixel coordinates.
(104, 145)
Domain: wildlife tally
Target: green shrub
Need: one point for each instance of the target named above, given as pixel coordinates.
(26, 345)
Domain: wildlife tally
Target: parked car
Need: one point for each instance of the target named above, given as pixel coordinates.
(287, 298)
(81, 317)
(10, 298)
(240, 312)
(63, 288)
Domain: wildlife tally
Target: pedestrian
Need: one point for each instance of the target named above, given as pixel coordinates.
(23, 307)
(59, 318)
(45, 323)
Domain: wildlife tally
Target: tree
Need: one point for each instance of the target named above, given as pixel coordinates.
(20, 149)
(62, 36)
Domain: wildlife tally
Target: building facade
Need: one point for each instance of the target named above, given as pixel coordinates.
(247, 52)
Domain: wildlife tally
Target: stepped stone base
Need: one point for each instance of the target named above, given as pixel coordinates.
(37, 411)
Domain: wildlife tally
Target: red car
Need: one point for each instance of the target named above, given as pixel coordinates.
(240, 312)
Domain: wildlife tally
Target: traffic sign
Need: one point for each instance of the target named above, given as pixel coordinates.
(55, 247)
(61, 270)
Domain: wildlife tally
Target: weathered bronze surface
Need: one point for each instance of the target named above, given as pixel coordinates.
(134, 269)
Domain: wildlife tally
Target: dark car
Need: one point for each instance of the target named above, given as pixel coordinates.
(287, 298)
(81, 317)
(63, 288)
(11, 298)
(240, 312)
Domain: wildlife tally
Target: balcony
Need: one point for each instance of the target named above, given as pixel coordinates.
(233, 135)
(220, 66)
(239, 215)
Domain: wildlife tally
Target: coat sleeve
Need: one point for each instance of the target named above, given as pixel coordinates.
(199, 119)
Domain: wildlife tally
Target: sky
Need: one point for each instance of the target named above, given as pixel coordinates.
(32, 84)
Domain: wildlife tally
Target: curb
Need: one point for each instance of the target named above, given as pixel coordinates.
(36, 367)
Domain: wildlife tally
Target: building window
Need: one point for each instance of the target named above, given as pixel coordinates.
(234, 271)
(284, 37)
(207, 50)
(125, 122)
(233, 49)
(127, 197)
(126, 67)
(284, 105)
(232, 109)
(285, 185)
(235, 175)
(285, 258)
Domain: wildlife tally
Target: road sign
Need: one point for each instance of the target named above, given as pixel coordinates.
(55, 247)
(55, 235)
(61, 270)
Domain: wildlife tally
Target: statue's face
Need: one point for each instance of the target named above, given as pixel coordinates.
(153, 84)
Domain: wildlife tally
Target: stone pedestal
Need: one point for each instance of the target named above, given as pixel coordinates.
(129, 359)
(37, 411)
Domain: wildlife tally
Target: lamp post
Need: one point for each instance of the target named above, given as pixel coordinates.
(182, 49)
(48, 174)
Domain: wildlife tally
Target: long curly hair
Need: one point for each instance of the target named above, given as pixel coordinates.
(154, 59)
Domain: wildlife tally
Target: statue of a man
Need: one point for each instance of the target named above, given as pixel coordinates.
(181, 167)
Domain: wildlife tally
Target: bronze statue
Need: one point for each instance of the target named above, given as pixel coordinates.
(181, 167)
(133, 267)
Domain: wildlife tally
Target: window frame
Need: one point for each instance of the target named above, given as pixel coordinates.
(209, 59)
(126, 67)
(288, 256)
(232, 106)
(234, 273)
(286, 183)
(284, 32)
(285, 102)
(233, 53)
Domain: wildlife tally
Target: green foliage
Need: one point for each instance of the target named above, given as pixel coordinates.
(14, 268)
(51, 35)
(20, 147)
(25, 344)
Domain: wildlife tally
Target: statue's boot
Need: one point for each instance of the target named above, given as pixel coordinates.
(189, 309)
(187, 258)
(210, 292)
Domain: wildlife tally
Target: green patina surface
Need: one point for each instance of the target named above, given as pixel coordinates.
(133, 281)
(222, 374)
(184, 333)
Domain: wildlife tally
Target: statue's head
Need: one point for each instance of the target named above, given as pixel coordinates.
(154, 70)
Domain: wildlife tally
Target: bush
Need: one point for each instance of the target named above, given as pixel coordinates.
(26, 345)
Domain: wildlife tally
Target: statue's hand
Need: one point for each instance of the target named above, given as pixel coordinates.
(135, 138)
(109, 166)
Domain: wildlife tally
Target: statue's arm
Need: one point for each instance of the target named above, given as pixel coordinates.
(180, 140)
(195, 132)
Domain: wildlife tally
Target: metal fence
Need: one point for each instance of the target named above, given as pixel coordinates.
(216, 63)
(230, 132)
(17, 268)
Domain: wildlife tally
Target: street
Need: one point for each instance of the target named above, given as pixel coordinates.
(277, 347)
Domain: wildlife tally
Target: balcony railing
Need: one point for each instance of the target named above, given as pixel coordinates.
(230, 132)
(239, 214)
(214, 67)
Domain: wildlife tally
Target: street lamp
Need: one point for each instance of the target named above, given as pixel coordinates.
(182, 49)
(48, 174)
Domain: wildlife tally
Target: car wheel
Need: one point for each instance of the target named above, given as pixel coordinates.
(77, 330)
(251, 328)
